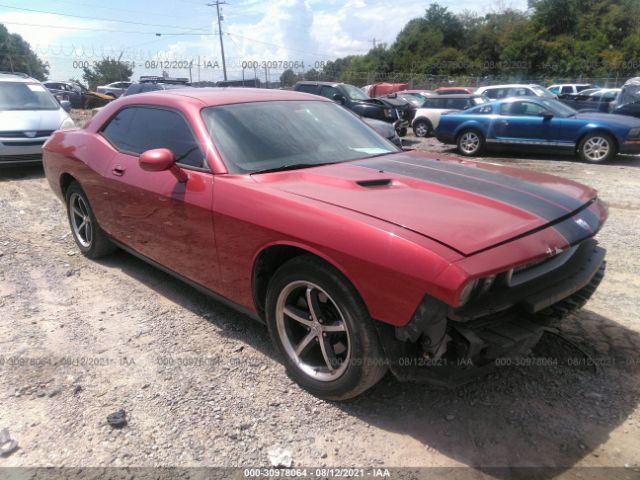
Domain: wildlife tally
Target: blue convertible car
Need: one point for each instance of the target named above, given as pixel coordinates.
(541, 124)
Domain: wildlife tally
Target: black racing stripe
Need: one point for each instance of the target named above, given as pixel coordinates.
(575, 229)
(499, 187)
(570, 203)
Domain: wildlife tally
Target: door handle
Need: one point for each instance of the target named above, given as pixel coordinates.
(118, 170)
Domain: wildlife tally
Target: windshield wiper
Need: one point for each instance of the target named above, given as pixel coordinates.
(290, 166)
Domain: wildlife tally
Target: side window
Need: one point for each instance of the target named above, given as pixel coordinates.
(118, 130)
(555, 90)
(492, 93)
(567, 90)
(137, 129)
(528, 109)
(457, 103)
(328, 92)
(307, 89)
(520, 92)
(440, 103)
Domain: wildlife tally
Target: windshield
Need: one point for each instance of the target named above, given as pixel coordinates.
(26, 96)
(259, 136)
(558, 108)
(355, 93)
(542, 91)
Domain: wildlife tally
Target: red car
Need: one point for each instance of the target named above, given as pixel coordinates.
(454, 91)
(358, 256)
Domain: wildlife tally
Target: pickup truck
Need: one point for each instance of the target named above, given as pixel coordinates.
(360, 103)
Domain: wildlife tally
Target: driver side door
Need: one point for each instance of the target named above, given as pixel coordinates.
(520, 122)
(153, 213)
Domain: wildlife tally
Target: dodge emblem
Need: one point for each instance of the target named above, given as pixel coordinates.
(581, 223)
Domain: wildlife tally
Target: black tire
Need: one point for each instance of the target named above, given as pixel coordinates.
(608, 143)
(402, 132)
(422, 128)
(463, 143)
(557, 312)
(366, 362)
(92, 244)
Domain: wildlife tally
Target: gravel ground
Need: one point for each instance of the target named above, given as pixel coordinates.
(202, 386)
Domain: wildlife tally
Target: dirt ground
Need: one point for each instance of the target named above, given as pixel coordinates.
(202, 386)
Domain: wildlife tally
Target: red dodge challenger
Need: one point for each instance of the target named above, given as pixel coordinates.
(359, 257)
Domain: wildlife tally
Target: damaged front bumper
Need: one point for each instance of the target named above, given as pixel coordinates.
(449, 346)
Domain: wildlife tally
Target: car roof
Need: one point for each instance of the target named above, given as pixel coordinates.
(311, 82)
(456, 95)
(510, 85)
(522, 99)
(16, 77)
(214, 96)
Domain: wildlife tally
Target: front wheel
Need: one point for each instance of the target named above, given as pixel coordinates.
(88, 235)
(597, 148)
(319, 324)
(470, 143)
(422, 128)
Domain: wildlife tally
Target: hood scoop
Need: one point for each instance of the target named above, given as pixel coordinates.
(378, 182)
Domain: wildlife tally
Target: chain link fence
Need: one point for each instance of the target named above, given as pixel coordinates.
(430, 82)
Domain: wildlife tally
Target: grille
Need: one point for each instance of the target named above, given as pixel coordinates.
(21, 158)
(530, 271)
(39, 133)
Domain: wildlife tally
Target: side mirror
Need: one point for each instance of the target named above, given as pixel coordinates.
(160, 160)
(338, 98)
(546, 115)
(66, 105)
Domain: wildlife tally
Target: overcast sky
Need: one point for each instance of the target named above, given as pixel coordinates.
(278, 30)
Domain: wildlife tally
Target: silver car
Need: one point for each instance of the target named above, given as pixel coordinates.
(28, 116)
(114, 89)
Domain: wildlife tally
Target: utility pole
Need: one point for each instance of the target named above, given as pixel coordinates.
(217, 3)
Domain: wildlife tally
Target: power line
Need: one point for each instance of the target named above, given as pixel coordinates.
(112, 8)
(93, 18)
(105, 29)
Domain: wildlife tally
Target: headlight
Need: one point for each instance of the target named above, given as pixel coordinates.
(67, 123)
(634, 132)
(465, 295)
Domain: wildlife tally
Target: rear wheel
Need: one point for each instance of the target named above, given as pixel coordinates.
(597, 148)
(322, 329)
(470, 143)
(88, 235)
(422, 128)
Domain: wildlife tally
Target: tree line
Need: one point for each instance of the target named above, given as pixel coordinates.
(552, 39)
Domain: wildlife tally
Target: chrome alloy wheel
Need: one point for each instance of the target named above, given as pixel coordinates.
(469, 143)
(421, 129)
(80, 220)
(313, 331)
(596, 148)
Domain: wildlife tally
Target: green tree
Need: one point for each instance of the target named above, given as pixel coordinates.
(105, 71)
(16, 56)
(288, 78)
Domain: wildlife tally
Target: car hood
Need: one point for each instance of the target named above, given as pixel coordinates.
(467, 206)
(31, 120)
(624, 121)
